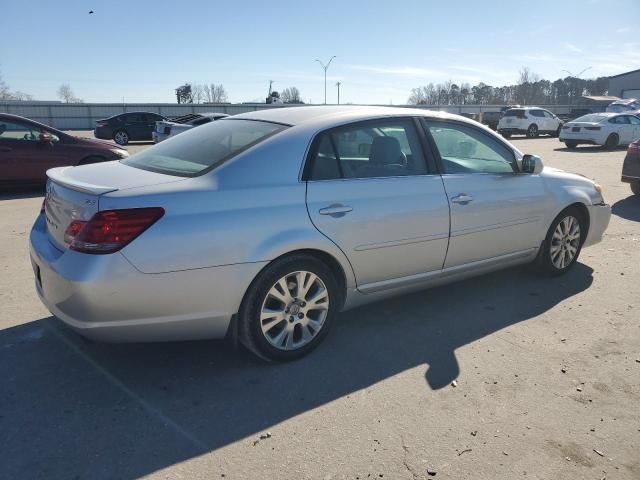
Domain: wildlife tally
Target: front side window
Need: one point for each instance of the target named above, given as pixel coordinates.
(465, 149)
(388, 148)
(634, 120)
(536, 113)
(19, 131)
(199, 149)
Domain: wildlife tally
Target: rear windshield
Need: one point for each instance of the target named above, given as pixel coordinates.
(592, 118)
(199, 149)
(514, 112)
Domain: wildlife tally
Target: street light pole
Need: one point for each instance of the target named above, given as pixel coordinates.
(338, 85)
(325, 67)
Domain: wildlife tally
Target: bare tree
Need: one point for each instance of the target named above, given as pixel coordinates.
(291, 95)
(215, 93)
(66, 94)
(7, 94)
(198, 93)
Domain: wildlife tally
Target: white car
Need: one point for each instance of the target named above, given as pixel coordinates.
(169, 128)
(529, 121)
(626, 105)
(606, 129)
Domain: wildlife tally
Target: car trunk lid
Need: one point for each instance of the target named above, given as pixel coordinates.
(73, 193)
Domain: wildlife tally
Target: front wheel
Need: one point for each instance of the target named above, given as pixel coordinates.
(563, 243)
(635, 187)
(505, 135)
(571, 144)
(121, 137)
(289, 308)
(532, 131)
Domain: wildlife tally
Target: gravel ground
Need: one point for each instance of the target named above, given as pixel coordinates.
(546, 371)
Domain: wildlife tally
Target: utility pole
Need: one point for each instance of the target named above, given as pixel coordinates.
(325, 67)
(338, 85)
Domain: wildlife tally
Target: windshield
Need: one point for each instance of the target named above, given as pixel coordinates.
(197, 150)
(591, 118)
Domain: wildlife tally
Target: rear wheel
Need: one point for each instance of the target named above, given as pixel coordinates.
(532, 131)
(505, 134)
(571, 144)
(635, 187)
(563, 243)
(289, 308)
(557, 133)
(121, 137)
(612, 141)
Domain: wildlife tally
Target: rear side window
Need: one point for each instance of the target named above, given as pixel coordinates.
(388, 148)
(621, 120)
(465, 149)
(536, 113)
(200, 149)
(514, 112)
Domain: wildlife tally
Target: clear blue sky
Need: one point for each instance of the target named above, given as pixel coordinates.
(141, 50)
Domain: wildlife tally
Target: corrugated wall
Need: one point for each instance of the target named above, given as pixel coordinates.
(84, 115)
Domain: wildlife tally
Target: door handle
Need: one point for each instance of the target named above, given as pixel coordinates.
(335, 210)
(462, 199)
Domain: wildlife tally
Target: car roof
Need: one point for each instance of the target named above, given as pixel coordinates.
(624, 101)
(335, 114)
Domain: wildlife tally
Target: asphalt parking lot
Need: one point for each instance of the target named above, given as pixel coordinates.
(546, 371)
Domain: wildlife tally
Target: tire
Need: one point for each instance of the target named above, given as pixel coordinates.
(505, 135)
(561, 248)
(121, 137)
(273, 336)
(91, 159)
(571, 144)
(612, 141)
(532, 131)
(557, 132)
(635, 187)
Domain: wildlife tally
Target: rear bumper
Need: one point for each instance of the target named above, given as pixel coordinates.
(599, 216)
(103, 133)
(158, 137)
(104, 297)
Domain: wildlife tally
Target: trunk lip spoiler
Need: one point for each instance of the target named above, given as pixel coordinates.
(57, 175)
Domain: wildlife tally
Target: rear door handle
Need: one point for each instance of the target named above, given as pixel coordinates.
(462, 199)
(335, 210)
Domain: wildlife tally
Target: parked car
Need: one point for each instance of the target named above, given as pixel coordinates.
(530, 121)
(127, 126)
(631, 167)
(491, 119)
(266, 224)
(626, 105)
(28, 149)
(169, 128)
(605, 129)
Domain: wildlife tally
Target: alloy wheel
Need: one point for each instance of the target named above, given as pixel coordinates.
(294, 310)
(565, 242)
(121, 138)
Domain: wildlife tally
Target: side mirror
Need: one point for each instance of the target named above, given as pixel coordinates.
(46, 137)
(532, 164)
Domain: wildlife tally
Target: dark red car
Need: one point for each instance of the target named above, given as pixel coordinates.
(631, 167)
(28, 149)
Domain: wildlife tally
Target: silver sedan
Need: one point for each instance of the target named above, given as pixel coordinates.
(265, 225)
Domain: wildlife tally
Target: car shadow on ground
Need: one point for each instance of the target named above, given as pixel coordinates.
(74, 409)
(16, 193)
(627, 208)
(589, 149)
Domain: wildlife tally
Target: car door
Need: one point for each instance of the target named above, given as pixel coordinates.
(495, 210)
(135, 125)
(552, 122)
(370, 191)
(622, 127)
(635, 123)
(149, 120)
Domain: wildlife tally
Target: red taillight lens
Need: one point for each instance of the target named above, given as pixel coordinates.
(101, 124)
(592, 128)
(634, 147)
(110, 230)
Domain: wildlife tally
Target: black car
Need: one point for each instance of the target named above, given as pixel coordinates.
(127, 126)
(631, 167)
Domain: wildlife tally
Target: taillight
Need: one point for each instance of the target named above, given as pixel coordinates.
(101, 124)
(566, 127)
(592, 128)
(110, 230)
(634, 147)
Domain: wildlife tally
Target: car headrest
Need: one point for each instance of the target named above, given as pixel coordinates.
(386, 151)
